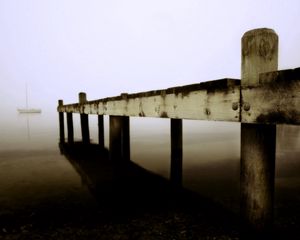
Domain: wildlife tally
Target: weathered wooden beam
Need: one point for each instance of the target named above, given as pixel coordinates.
(70, 127)
(216, 100)
(84, 120)
(275, 100)
(258, 141)
(176, 152)
(61, 123)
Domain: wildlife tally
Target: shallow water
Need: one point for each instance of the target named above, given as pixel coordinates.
(32, 170)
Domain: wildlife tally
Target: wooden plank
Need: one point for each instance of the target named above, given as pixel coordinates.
(276, 100)
(215, 100)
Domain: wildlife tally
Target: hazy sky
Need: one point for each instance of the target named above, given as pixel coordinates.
(61, 47)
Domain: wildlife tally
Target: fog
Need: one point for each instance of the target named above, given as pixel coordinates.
(59, 48)
(104, 48)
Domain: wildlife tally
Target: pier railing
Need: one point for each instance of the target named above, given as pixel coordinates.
(262, 98)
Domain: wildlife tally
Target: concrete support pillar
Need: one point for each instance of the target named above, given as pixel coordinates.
(176, 152)
(258, 141)
(84, 119)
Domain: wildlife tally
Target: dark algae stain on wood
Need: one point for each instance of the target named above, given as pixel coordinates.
(279, 117)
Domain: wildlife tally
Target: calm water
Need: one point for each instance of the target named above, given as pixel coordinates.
(32, 169)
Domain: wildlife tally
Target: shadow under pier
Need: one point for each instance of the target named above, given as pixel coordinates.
(126, 191)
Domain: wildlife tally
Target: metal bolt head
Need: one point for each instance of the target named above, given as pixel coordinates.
(246, 106)
(235, 106)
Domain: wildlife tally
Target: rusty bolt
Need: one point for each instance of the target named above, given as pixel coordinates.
(235, 106)
(246, 106)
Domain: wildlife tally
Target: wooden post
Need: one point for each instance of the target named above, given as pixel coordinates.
(176, 152)
(100, 131)
(119, 138)
(84, 119)
(70, 127)
(125, 134)
(258, 141)
(126, 139)
(61, 123)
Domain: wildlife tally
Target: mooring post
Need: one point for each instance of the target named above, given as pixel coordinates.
(119, 138)
(101, 131)
(61, 123)
(258, 141)
(84, 119)
(70, 127)
(176, 152)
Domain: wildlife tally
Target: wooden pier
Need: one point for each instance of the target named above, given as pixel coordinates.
(262, 98)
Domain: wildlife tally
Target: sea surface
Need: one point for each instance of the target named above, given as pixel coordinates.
(32, 169)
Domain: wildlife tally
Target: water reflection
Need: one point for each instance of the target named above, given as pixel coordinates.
(28, 131)
(27, 117)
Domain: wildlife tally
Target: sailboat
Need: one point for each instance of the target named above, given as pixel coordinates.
(27, 109)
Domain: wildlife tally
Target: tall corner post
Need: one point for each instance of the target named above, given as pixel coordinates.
(84, 120)
(61, 122)
(176, 152)
(258, 141)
